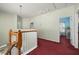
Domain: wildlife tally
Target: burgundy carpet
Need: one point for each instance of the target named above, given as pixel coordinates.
(46, 47)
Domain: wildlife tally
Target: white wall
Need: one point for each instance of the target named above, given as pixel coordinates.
(7, 22)
(26, 23)
(48, 27)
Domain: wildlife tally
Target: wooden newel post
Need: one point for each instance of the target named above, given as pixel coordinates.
(18, 40)
(19, 43)
(10, 40)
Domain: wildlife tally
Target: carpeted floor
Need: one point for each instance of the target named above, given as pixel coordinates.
(46, 47)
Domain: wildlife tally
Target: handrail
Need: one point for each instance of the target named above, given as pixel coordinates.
(18, 40)
(8, 50)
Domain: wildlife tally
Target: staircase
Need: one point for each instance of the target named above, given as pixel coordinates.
(6, 49)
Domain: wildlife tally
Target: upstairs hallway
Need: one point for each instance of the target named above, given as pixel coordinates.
(46, 47)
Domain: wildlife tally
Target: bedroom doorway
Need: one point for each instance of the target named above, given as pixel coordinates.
(65, 28)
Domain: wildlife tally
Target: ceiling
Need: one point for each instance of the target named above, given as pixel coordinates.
(29, 10)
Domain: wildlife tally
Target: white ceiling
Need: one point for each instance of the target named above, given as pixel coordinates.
(31, 9)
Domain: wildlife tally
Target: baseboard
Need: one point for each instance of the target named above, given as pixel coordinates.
(25, 53)
(50, 40)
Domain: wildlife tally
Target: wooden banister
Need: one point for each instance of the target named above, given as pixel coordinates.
(18, 40)
(8, 50)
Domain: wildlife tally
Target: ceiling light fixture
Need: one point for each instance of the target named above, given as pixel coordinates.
(20, 10)
(19, 18)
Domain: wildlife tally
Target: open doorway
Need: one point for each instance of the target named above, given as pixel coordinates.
(65, 27)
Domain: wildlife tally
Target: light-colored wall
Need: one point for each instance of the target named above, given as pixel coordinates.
(7, 22)
(47, 26)
(26, 23)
